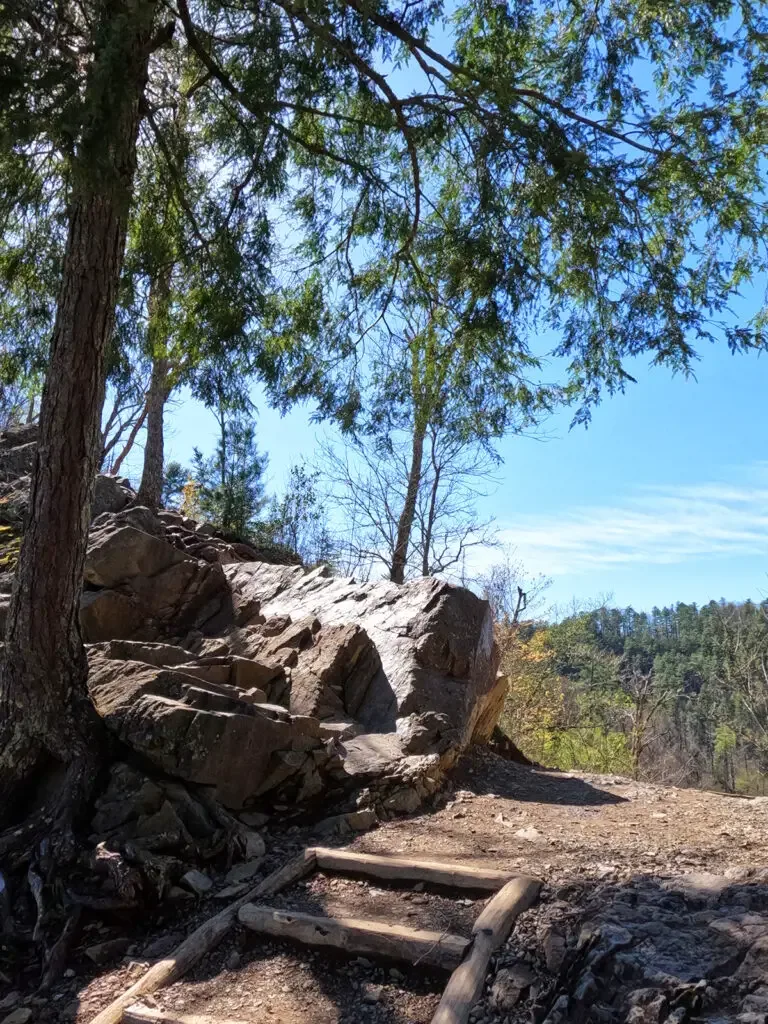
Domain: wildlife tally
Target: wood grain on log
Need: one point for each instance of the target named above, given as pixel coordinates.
(366, 938)
(491, 929)
(405, 869)
(204, 938)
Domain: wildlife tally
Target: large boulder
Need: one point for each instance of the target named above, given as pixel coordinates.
(260, 680)
(434, 642)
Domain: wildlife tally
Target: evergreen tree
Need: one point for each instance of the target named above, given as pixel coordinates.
(230, 487)
(641, 200)
(175, 477)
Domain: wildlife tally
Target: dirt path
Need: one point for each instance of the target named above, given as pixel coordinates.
(655, 908)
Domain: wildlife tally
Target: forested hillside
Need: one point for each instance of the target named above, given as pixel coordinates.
(679, 695)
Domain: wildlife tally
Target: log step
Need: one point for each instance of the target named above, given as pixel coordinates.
(143, 1015)
(358, 937)
(404, 869)
(490, 931)
(204, 939)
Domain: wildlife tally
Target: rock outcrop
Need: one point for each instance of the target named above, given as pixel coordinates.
(435, 642)
(265, 681)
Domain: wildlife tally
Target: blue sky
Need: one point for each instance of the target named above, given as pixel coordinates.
(663, 498)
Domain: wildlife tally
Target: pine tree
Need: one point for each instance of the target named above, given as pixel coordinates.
(230, 483)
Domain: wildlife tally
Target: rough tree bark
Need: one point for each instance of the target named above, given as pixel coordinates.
(405, 522)
(45, 712)
(151, 486)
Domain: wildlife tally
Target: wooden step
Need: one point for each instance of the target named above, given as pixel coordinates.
(358, 937)
(143, 1015)
(405, 869)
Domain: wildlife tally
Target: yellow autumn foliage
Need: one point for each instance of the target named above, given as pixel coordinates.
(190, 499)
(534, 701)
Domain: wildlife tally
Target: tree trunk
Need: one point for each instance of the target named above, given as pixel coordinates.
(405, 523)
(45, 711)
(151, 486)
(432, 511)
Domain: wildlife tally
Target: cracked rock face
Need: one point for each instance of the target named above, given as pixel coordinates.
(310, 682)
(264, 680)
(435, 641)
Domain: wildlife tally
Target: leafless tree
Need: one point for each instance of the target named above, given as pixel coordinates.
(647, 700)
(369, 483)
(510, 589)
(127, 405)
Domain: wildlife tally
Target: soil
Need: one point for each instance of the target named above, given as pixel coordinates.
(645, 888)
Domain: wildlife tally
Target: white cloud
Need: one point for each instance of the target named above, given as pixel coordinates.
(653, 525)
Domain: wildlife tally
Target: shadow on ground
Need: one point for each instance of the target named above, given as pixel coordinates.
(484, 772)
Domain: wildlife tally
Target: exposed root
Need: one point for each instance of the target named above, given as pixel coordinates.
(56, 957)
(47, 844)
(36, 887)
(238, 837)
(56, 821)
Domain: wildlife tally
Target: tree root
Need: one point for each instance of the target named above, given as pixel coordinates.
(51, 875)
(47, 844)
(56, 821)
(56, 957)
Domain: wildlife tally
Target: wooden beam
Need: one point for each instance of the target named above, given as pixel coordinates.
(143, 1015)
(405, 869)
(491, 929)
(366, 938)
(204, 938)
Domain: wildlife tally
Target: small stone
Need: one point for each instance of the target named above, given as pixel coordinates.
(20, 1016)
(177, 893)
(361, 821)
(755, 964)
(371, 993)
(554, 946)
(254, 845)
(69, 973)
(530, 834)
(102, 952)
(242, 872)
(397, 975)
(197, 881)
(163, 945)
(253, 819)
(509, 985)
(605, 870)
(233, 961)
(403, 801)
